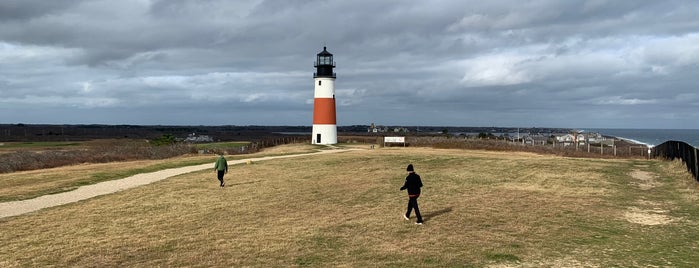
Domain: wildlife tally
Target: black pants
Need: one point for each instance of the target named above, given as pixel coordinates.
(220, 176)
(412, 204)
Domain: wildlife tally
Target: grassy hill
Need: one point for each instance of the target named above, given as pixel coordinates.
(481, 209)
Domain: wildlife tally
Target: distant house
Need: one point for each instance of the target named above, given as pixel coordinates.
(596, 138)
(536, 139)
(193, 138)
(377, 129)
(569, 139)
(381, 129)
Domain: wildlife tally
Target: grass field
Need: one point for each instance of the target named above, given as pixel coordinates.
(30, 184)
(481, 209)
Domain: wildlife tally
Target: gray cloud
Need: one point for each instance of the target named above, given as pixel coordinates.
(540, 63)
(24, 10)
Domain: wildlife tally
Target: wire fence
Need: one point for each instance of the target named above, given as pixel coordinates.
(672, 150)
(619, 149)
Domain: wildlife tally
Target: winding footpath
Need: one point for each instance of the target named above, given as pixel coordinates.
(15, 208)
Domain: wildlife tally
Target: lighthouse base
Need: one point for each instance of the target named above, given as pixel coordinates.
(324, 134)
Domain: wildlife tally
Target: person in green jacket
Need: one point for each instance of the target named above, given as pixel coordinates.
(221, 168)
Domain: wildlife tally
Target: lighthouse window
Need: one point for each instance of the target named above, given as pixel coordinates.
(319, 82)
(325, 60)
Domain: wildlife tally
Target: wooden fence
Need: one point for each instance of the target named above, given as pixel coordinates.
(672, 150)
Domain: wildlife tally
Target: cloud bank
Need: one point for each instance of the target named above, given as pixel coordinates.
(597, 63)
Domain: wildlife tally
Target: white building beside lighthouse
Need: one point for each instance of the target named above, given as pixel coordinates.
(324, 120)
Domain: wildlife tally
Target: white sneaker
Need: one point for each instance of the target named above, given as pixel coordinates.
(418, 223)
(406, 217)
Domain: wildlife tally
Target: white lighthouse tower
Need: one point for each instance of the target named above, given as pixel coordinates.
(324, 124)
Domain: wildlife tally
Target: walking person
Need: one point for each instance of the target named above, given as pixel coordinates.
(221, 167)
(413, 184)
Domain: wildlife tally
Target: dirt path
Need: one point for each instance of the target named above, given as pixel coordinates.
(14, 208)
(647, 212)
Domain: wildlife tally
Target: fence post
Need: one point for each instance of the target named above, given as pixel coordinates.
(696, 164)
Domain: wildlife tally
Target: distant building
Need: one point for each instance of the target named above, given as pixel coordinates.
(596, 138)
(193, 138)
(570, 139)
(383, 129)
(536, 139)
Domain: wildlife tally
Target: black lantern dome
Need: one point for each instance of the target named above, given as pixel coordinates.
(324, 64)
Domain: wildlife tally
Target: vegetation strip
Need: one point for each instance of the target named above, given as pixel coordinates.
(14, 208)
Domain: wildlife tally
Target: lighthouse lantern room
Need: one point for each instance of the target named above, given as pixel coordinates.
(324, 120)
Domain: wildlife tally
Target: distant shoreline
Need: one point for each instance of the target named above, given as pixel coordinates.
(630, 141)
(652, 137)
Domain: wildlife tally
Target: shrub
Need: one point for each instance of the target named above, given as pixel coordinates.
(102, 153)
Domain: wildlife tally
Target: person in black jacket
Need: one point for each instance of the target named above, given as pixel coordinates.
(413, 184)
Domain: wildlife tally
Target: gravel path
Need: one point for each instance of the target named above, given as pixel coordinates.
(14, 208)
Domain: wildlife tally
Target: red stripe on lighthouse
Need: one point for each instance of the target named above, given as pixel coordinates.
(324, 111)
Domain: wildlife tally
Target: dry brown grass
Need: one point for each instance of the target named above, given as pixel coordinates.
(297, 148)
(29, 184)
(492, 209)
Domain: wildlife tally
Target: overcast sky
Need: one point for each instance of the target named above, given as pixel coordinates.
(549, 63)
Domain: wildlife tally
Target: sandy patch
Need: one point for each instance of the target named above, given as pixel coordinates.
(649, 213)
(648, 216)
(565, 262)
(645, 180)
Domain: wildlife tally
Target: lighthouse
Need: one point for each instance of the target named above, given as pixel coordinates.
(324, 124)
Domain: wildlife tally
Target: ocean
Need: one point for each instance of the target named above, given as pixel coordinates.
(652, 137)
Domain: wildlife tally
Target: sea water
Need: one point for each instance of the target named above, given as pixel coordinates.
(652, 137)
